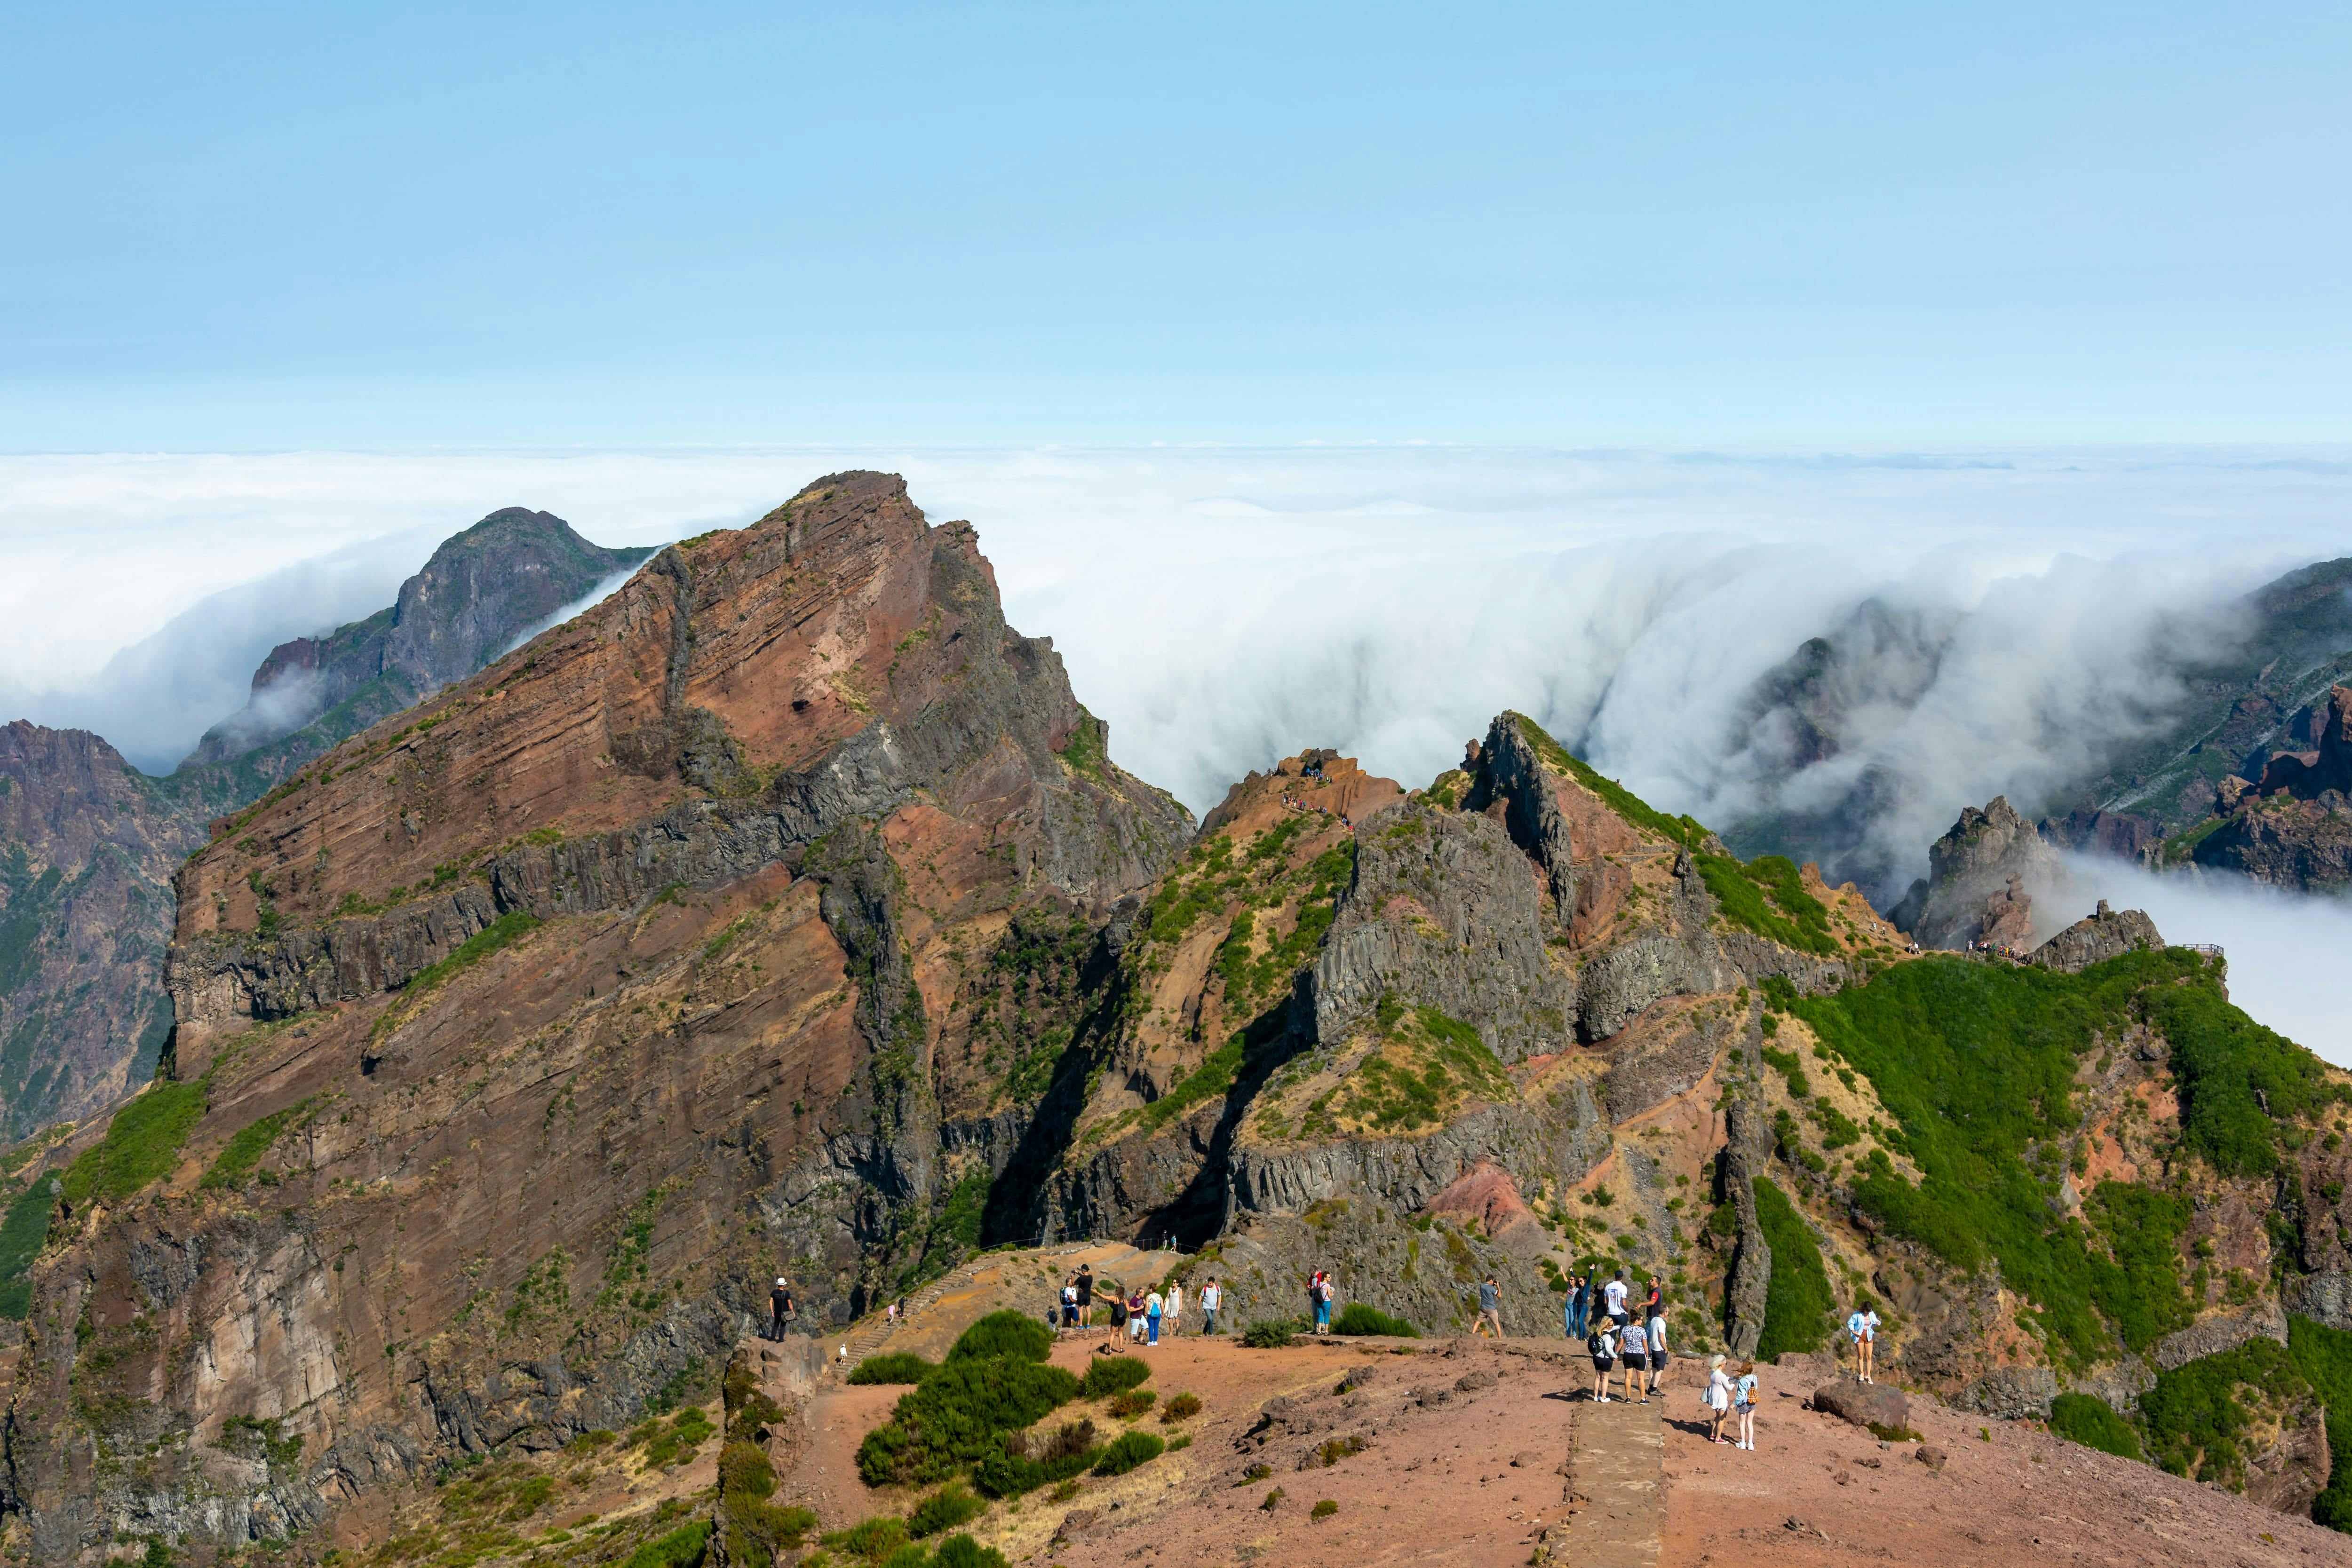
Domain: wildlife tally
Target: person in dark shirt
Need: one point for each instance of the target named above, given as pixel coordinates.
(1085, 1298)
(780, 1307)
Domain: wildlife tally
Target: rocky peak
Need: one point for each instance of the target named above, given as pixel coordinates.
(2308, 775)
(1981, 880)
(480, 589)
(2099, 936)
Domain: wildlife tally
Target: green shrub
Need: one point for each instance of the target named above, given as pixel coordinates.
(1976, 1062)
(1183, 1407)
(1798, 1301)
(2139, 1285)
(2080, 1419)
(871, 1541)
(242, 1153)
(963, 1552)
(1005, 1333)
(2324, 1356)
(2195, 1414)
(1127, 1451)
(1323, 1509)
(681, 1548)
(142, 1143)
(944, 1509)
(1355, 1318)
(957, 1416)
(898, 1367)
(2228, 1065)
(22, 1234)
(1022, 1465)
(1271, 1333)
(1112, 1374)
(1132, 1402)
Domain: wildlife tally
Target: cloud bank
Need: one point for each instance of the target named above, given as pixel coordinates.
(2015, 614)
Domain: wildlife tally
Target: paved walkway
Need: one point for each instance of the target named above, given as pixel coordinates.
(1616, 1488)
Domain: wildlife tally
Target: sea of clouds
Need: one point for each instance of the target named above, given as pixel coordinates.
(1223, 608)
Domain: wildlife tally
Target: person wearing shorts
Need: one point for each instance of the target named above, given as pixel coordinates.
(1743, 1403)
(1613, 1296)
(1601, 1344)
(1862, 1329)
(1635, 1344)
(1657, 1338)
(1718, 1397)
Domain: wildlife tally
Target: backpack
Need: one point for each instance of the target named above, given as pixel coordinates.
(1597, 1343)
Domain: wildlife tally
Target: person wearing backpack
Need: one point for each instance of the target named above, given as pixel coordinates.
(1601, 1346)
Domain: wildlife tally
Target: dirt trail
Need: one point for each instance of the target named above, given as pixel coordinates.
(1819, 1491)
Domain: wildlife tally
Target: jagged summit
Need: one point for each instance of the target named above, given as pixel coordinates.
(482, 586)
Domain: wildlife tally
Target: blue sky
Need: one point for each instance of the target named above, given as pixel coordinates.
(265, 226)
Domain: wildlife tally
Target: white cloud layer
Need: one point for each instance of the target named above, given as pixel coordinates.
(1226, 608)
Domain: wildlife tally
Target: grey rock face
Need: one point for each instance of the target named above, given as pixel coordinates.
(2215, 1335)
(1679, 959)
(1442, 912)
(2012, 1393)
(2323, 1298)
(2102, 935)
(1972, 866)
(1511, 775)
(1747, 1145)
(2120, 1384)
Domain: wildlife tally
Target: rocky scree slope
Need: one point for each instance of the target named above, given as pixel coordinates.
(519, 1040)
(88, 844)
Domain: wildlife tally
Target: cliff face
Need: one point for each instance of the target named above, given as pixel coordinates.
(481, 587)
(1979, 882)
(2293, 828)
(93, 843)
(86, 851)
(531, 1034)
(1505, 1007)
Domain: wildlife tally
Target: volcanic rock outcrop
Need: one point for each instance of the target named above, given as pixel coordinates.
(679, 943)
(1981, 881)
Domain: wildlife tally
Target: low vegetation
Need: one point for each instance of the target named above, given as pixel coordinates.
(898, 1367)
(1357, 1319)
(1797, 1299)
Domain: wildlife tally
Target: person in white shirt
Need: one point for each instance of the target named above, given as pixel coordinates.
(1211, 1298)
(1602, 1343)
(1175, 1311)
(1635, 1342)
(1657, 1338)
(1862, 1329)
(1718, 1397)
(1614, 1295)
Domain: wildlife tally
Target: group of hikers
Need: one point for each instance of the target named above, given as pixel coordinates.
(1145, 1311)
(1616, 1326)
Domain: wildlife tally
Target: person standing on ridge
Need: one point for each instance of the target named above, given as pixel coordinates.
(1085, 1296)
(1654, 1331)
(780, 1307)
(1490, 1306)
(1614, 1295)
(1175, 1313)
(1718, 1397)
(1154, 1306)
(1211, 1298)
